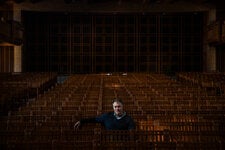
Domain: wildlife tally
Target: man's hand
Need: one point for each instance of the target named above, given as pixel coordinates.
(76, 125)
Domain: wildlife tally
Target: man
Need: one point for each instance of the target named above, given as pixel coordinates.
(117, 120)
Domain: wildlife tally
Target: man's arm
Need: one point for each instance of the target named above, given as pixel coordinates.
(98, 119)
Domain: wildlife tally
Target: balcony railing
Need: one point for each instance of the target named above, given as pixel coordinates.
(11, 32)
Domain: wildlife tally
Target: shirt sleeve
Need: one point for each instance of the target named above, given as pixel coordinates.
(101, 118)
(98, 119)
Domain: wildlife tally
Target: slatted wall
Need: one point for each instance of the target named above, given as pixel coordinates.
(112, 42)
(6, 58)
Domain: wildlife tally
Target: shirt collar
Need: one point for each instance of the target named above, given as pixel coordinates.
(120, 117)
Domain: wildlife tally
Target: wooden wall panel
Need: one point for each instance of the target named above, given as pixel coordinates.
(6, 58)
(106, 42)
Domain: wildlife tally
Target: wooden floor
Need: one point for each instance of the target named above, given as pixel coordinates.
(170, 113)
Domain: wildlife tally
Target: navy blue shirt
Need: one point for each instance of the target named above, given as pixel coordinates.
(110, 122)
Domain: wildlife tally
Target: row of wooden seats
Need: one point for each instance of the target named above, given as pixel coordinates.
(213, 82)
(163, 104)
(32, 80)
(171, 97)
(115, 139)
(16, 89)
(151, 125)
(71, 145)
(56, 111)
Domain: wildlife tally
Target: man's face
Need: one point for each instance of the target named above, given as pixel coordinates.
(118, 108)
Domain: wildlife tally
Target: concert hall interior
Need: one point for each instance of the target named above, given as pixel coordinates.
(62, 61)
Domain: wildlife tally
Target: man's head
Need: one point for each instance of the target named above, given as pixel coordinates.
(118, 107)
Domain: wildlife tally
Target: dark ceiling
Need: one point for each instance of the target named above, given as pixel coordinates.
(138, 1)
(216, 3)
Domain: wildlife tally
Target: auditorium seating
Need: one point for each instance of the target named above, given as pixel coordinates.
(213, 82)
(169, 114)
(17, 88)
